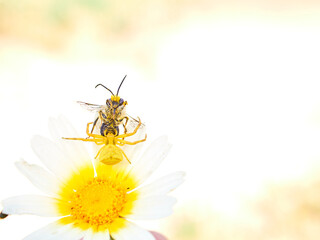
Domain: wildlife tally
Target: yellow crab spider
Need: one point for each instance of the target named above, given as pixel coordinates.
(110, 153)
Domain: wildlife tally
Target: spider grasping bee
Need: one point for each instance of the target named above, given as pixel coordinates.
(111, 116)
(110, 153)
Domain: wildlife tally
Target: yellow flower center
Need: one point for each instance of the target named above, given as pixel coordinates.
(97, 202)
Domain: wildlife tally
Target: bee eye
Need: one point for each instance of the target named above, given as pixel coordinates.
(121, 101)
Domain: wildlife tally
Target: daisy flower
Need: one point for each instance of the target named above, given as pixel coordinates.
(92, 202)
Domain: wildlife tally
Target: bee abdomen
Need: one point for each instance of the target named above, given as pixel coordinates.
(108, 128)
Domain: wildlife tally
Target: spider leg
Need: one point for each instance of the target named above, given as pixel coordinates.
(125, 155)
(131, 134)
(122, 142)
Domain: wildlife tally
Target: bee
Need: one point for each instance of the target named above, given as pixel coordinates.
(112, 114)
(110, 153)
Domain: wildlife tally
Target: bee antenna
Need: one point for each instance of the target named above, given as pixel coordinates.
(121, 84)
(105, 88)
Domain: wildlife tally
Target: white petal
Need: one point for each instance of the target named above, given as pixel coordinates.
(56, 231)
(91, 235)
(52, 157)
(151, 159)
(101, 235)
(75, 150)
(152, 207)
(31, 204)
(132, 232)
(39, 177)
(163, 185)
(88, 235)
(69, 232)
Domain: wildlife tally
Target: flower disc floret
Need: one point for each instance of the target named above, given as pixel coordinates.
(97, 201)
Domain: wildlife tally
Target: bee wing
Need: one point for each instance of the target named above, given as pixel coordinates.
(133, 123)
(91, 107)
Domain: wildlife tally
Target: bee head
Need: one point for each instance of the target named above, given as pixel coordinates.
(115, 101)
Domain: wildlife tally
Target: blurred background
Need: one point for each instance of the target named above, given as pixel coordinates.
(234, 84)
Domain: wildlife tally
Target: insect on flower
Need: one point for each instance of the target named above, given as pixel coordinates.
(111, 115)
(93, 202)
(110, 153)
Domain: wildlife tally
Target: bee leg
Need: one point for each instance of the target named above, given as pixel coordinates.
(125, 125)
(122, 142)
(134, 131)
(94, 124)
(102, 116)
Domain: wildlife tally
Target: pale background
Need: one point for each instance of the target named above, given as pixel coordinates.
(234, 84)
